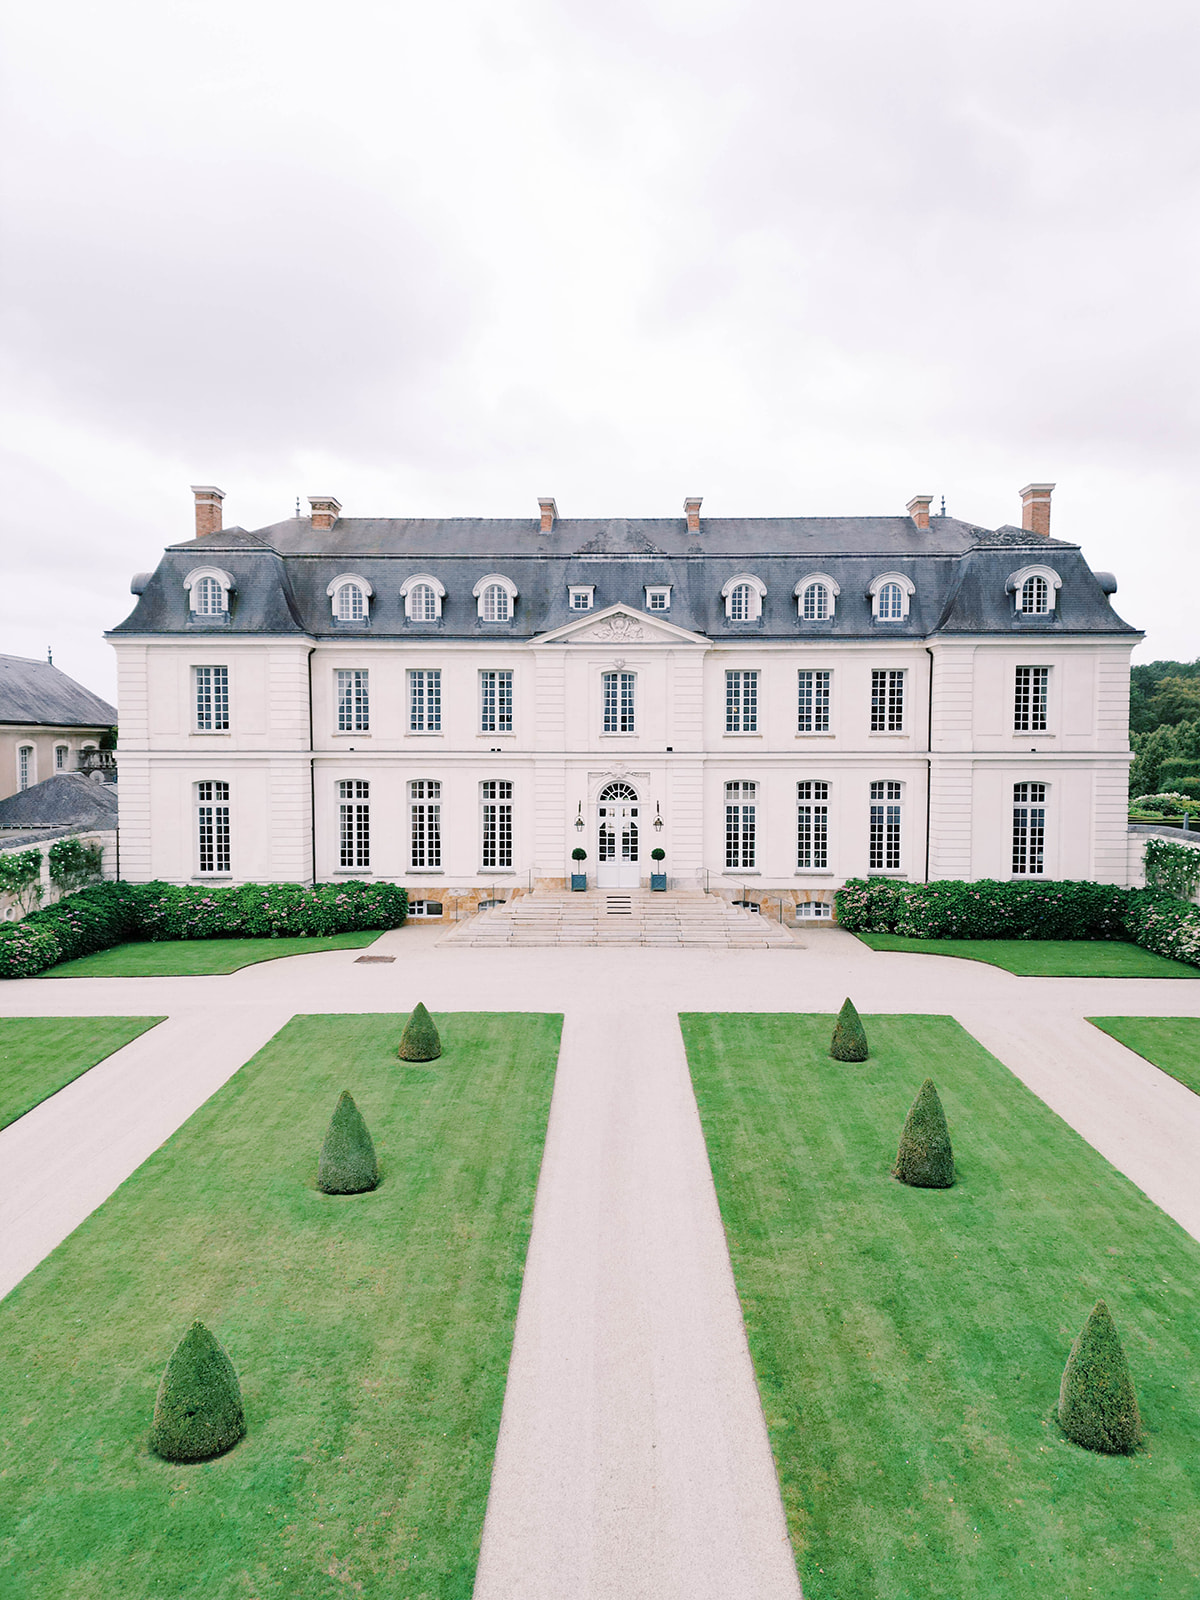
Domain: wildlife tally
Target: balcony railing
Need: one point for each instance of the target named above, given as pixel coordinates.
(103, 762)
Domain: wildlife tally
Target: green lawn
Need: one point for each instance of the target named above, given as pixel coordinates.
(1044, 958)
(1172, 1043)
(41, 1055)
(371, 1333)
(189, 958)
(909, 1343)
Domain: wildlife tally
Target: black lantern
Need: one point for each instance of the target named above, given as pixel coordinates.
(579, 818)
(658, 822)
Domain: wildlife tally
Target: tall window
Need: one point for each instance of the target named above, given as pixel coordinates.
(1035, 595)
(814, 605)
(425, 818)
(1029, 829)
(497, 605)
(210, 597)
(422, 603)
(887, 701)
(619, 702)
(24, 766)
(891, 603)
(740, 603)
(425, 700)
(740, 824)
(354, 823)
(497, 823)
(813, 710)
(885, 827)
(812, 826)
(495, 702)
(212, 699)
(353, 700)
(61, 752)
(741, 702)
(212, 826)
(350, 603)
(1029, 705)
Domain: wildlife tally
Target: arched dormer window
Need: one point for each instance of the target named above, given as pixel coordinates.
(890, 594)
(208, 591)
(743, 597)
(350, 596)
(1034, 589)
(423, 595)
(496, 596)
(816, 596)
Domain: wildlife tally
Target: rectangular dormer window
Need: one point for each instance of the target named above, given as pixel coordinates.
(658, 599)
(583, 596)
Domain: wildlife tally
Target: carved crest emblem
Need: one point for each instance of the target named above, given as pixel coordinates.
(619, 627)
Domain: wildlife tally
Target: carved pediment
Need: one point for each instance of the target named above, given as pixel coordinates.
(619, 625)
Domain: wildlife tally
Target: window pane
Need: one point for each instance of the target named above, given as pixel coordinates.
(497, 823)
(425, 700)
(425, 822)
(741, 702)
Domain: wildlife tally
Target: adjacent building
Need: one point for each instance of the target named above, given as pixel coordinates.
(48, 724)
(778, 703)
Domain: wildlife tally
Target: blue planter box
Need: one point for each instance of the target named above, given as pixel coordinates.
(579, 881)
(658, 882)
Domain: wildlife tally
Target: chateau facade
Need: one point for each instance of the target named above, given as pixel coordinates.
(777, 703)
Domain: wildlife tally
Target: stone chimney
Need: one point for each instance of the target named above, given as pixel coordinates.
(549, 512)
(692, 506)
(209, 516)
(325, 511)
(1035, 508)
(918, 509)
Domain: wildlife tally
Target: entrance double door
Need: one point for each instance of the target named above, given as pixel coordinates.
(617, 839)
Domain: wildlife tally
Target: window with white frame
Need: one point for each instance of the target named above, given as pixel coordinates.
(496, 795)
(814, 603)
(887, 700)
(740, 825)
(743, 597)
(214, 855)
(422, 594)
(212, 699)
(354, 823)
(1034, 590)
(582, 596)
(25, 766)
(425, 700)
(812, 712)
(496, 597)
(890, 594)
(658, 597)
(1029, 830)
(741, 702)
(424, 908)
(209, 591)
(1031, 699)
(425, 823)
(496, 701)
(349, 603)
(884, 851)
(61, 753)
(891, 603)
(812, 826)
(353, 699)
(619, 701)
(1035, 595)
(817, 910)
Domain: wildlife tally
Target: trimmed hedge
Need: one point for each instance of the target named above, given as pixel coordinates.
(995, 909)
(198, 1411)
(925, 1159)
(849, 1042)
(106, 914)
(347, 1164)
(420, 1040)
(1097, 1405)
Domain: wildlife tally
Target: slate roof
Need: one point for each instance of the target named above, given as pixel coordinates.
(34, 692)
(959, 570)
(68, 798)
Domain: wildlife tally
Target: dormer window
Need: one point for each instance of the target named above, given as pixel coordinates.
(658, 597)
(743, 597)
(815, 597)
(582, 596)
(1034, 589)
(208, 590)
(496, 596)
(890, 594)
(423, 595)
(350, 597)
(1035, 594)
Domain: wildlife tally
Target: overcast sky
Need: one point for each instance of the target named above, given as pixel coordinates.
(440, 260)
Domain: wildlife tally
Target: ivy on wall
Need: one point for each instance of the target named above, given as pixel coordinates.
(21, 877)
(1172, 868)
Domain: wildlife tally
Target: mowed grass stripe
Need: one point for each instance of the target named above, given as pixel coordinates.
(41, 1055)
(1043, 958)
(371, 1333)
(1170, 1043)
(909, 1344)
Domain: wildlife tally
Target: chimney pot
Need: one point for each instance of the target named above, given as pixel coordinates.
(1035, 508)
(325, 511)
(209, 516)
(692, 507)
(549, 512)
(918, 509)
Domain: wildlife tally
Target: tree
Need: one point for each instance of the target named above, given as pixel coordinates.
(347, 1164)
(420, 1041)
(198, 1412)
(849, 1041)
(1097, 1406)
(925, 1159)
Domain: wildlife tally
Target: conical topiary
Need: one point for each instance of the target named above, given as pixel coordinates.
(1097, 1407)
(419, 1041)
(849, 1036)
(198, 1412)
(347, 1164)
(925, 1158)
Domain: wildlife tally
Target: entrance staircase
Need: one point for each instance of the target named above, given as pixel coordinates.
(680, 918)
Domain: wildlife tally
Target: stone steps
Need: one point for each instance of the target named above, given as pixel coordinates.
(677, 919)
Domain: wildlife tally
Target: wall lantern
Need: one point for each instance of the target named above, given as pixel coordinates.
(658, 822)
(579, 818)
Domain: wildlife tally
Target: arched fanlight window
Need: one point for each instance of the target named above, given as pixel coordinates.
(618, 791)
(350, 596)
(815, 597)
(208, 589)
(1035, 594)
(496, 597)
(743, 597)
(1034, 590)
(890, 594)
(423, 595)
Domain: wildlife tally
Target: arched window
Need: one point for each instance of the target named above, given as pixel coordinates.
(740, 825)
(1035, 594)
(1034, 589)
(891, 603)
(423, 595)
(618, 791)
(25, 769)
(739, 603)
(209, 597)
(209, 589)
(496, 596)
(743, 597)
(61, 752)
(349, 603)
(815, 597)
(890, 594)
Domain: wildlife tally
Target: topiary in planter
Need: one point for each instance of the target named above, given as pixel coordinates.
(925, 1159)
(347, 1164)
(849, 1036)
(198, 1413)
(1097, 1406)
(420, 1041)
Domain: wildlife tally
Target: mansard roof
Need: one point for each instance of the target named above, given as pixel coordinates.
(281, 574)
(37, 694)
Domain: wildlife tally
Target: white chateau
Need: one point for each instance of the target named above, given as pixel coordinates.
(778, 703)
